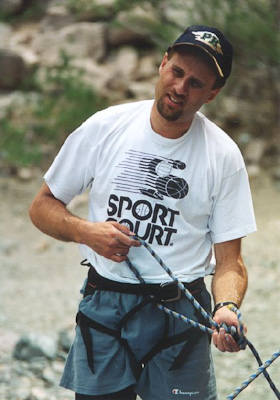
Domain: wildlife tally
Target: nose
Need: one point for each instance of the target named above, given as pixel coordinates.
(180, 87)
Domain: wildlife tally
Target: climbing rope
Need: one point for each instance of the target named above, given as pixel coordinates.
(252, 377)
(240, 337)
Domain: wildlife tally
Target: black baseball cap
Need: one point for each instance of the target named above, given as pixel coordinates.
(212, 42)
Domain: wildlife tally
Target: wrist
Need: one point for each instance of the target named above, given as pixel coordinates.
(223, 304)
(81, 229)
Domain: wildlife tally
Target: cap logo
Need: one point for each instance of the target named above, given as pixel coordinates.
(210, 39)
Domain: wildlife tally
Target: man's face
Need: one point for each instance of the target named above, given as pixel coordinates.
(184, 85)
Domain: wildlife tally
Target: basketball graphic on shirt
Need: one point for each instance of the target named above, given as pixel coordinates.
(142, 210)
(153, 176)
(163, 169)
(172, 186)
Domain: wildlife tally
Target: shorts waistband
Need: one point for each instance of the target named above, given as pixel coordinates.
(167, 291)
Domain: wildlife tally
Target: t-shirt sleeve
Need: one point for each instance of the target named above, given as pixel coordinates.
(69, 174)
(233, 213)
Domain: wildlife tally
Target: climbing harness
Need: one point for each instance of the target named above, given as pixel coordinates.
(158, 294)
(239, 337)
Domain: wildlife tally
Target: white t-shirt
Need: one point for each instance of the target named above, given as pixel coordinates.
(179, 195)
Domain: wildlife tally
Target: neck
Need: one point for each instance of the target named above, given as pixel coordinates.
(168, 129)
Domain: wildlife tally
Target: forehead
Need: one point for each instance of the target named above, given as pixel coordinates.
(196, 64)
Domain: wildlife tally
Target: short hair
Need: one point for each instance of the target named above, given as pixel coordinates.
(202, 55)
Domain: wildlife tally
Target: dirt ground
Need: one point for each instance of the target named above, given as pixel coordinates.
(40, 280)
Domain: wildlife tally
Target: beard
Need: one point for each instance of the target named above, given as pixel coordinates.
(166, 112)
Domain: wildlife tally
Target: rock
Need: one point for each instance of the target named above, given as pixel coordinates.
(10, 7)
(254, 171)
(13, 70)
(126, 62)
(142, 90)
(38, 394)
(37, 365)
(79, 40)
(66, 338)
(32, 345)
(20, 41)
(254, 151)
(148, 68)
(43, 245)
(96, 76)
(275, 173)
(8, 340)
(94, 11)
(244, 139)
(57, 17)
(5, 34)
(120, 36)
(58, 367)
(49, 376)
(25, 174)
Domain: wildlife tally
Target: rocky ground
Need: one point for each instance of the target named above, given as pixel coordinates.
(39, 292)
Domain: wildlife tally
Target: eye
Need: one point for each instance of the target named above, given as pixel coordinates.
(177, 72)
(196, 84)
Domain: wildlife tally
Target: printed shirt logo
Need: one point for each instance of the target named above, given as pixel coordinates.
(210, 39)
(181, 392)
(152, 176)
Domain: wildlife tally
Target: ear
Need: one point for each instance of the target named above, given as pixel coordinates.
(163, 63)
(212, 95)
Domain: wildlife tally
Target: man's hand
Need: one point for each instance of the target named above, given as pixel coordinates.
(222, 340)
(109, 239)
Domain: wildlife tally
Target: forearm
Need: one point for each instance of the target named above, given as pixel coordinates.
(52, 217)
(230, 282)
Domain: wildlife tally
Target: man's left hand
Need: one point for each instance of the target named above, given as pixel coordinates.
(222, 340)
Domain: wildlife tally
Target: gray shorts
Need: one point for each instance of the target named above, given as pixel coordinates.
(117, 367)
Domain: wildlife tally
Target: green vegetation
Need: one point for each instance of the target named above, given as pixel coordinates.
(61, 105)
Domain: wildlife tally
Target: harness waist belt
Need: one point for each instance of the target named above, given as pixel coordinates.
(168, 291)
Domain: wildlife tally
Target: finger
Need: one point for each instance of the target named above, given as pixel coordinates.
(214, 338)
(127, 237)
(225, 342)
(120, 250)
(127, 241)
(118, 258)
(231, 346)
(220, 340)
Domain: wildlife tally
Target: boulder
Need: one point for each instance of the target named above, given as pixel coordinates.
(126, 62)
(13, 70)
(254, 151)
(99, 10)
(79, 40)
(5, 34)
(33, 345)
(10, 7)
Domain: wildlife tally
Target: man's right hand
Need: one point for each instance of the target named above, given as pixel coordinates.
(109, 239)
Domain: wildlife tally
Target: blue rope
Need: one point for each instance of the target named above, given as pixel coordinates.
(242, 340)
(252, 377)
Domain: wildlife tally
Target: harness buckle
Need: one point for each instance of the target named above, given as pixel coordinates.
(179, 292)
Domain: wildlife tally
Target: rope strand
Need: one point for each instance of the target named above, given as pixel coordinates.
(242, 340)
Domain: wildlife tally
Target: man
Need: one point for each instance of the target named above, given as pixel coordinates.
(159, 170)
